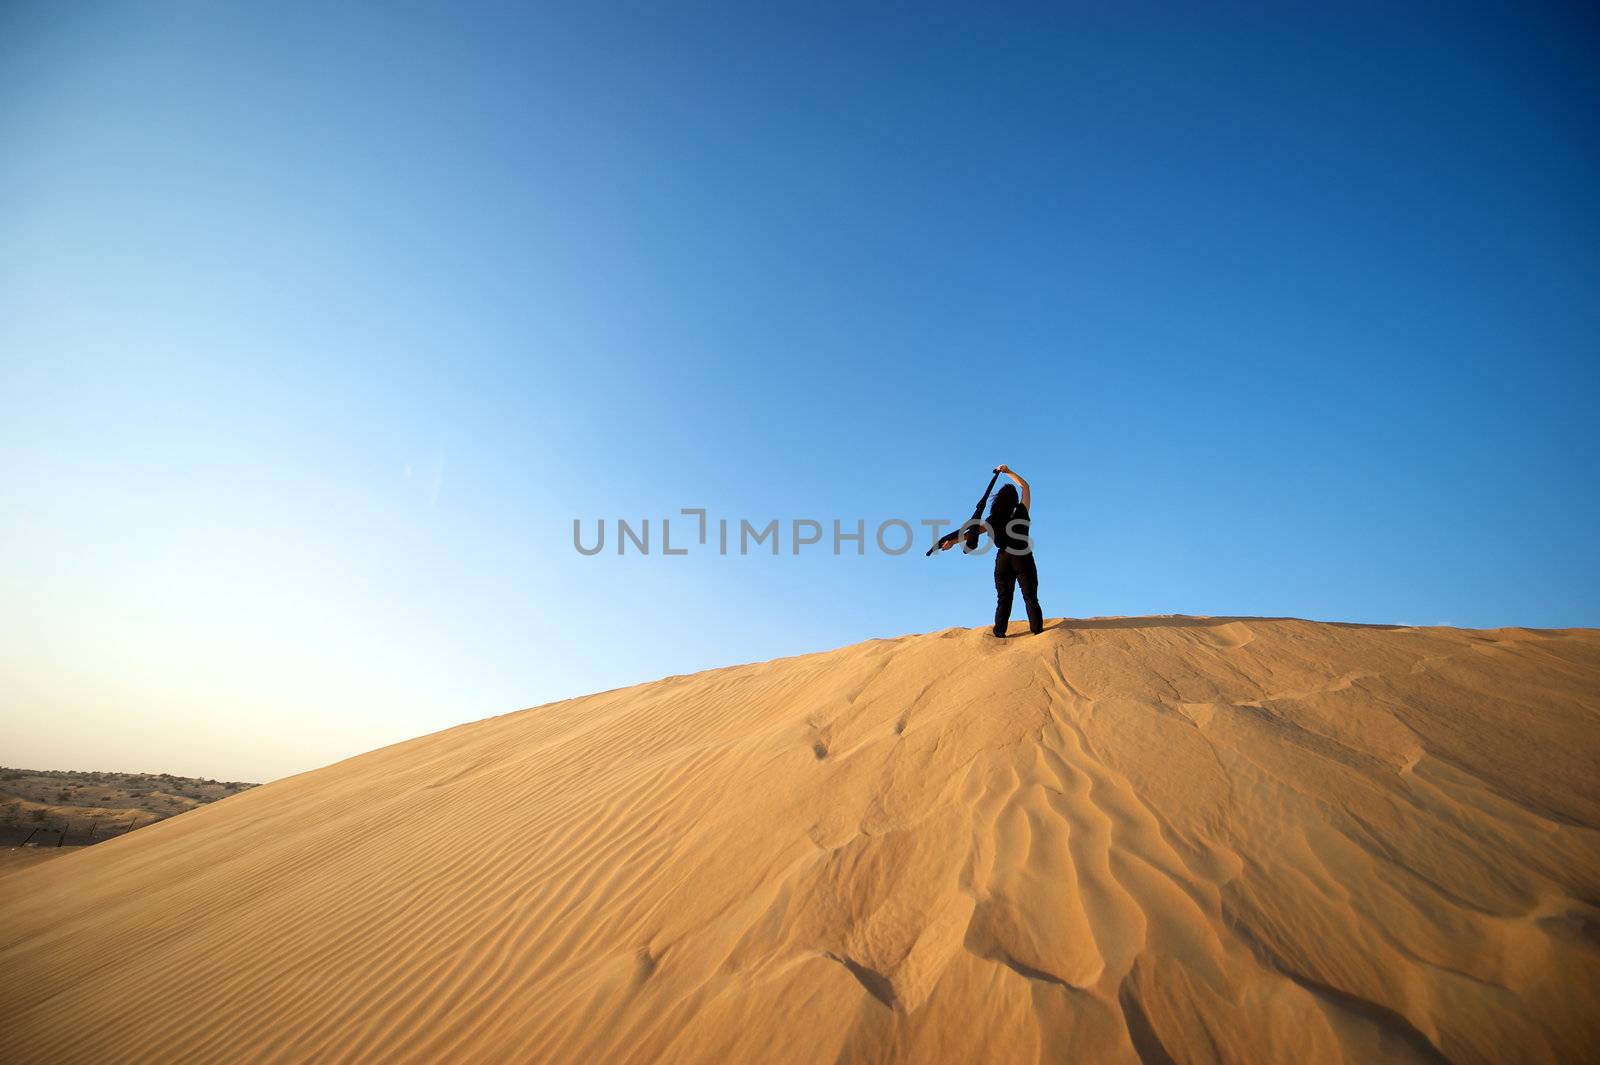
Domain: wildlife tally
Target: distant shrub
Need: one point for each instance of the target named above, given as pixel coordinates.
(36, 814)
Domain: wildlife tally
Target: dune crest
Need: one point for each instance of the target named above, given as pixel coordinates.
(1131, 840)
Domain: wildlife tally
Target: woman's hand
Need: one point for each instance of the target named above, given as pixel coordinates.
(1027, 496)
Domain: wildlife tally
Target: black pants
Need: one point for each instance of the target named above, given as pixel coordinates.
(1009, 572)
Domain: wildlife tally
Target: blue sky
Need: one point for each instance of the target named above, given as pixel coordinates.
(318, 329)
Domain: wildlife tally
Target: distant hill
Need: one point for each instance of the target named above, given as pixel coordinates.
(91, 806)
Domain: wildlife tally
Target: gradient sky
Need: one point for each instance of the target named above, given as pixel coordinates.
(318, 329)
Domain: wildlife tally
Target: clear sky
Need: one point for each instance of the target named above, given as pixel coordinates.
(318, 329)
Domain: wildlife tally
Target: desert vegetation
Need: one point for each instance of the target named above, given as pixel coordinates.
(45, 805)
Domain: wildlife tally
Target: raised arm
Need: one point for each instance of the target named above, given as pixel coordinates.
(1022, 485)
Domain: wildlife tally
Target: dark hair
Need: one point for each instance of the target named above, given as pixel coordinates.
(1005, 505)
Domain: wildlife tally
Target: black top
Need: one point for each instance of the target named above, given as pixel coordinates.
(1014, 535)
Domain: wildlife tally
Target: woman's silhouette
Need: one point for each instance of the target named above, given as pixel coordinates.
(1009, 528)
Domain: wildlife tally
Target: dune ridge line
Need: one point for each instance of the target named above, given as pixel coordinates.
(1132, 840)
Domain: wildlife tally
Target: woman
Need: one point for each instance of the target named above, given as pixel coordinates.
(1013, 555)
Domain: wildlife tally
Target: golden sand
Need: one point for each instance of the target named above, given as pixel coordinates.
(1125, 840)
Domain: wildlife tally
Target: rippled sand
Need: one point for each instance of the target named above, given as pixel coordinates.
(1124, 840)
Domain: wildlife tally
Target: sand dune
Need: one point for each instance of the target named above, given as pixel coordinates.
(1126, 840)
